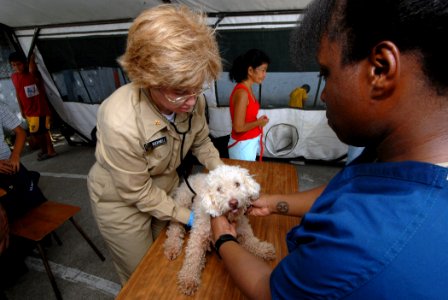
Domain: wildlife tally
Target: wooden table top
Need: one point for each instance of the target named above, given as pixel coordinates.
(156, 276)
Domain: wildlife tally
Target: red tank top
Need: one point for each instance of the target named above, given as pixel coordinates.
(251, 115)
(31, 94)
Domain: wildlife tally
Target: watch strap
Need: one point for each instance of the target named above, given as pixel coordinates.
(222, 239)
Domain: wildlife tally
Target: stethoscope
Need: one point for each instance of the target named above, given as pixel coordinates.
(183, 134)
(182, 167)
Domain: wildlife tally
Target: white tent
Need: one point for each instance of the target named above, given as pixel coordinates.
(305, 133)
(29, 13)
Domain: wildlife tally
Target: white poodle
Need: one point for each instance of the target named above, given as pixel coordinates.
(227, 190)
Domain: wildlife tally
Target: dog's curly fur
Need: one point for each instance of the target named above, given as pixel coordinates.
(227, 190)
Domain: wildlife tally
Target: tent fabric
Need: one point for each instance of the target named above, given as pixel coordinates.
(26, 13)
(244, 6)
(316, 140)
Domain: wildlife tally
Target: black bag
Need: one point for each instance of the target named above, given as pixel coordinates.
(23, 192)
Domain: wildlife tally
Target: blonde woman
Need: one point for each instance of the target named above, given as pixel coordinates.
(145, 129)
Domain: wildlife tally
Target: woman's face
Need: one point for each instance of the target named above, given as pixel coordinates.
(258, 74)
(345, 94)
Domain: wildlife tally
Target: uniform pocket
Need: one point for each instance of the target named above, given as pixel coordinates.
(160, 153)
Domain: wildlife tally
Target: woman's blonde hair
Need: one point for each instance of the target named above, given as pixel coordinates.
(171, 46)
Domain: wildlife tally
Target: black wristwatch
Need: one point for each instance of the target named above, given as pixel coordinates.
(221, 240)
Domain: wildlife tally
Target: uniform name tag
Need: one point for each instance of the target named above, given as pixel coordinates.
(156, 143)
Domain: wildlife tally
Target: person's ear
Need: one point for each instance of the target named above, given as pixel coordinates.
(384, 69)
(250, 71)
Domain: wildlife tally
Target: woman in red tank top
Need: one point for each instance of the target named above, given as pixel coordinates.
(246, 138)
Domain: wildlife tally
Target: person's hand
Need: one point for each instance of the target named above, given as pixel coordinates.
(14, 161)
(260, 207)
(220, 225)
(263, 120)
(6, 167)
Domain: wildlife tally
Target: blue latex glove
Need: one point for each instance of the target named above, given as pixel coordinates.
(191, 220)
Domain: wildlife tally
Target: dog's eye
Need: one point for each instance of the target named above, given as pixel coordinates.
(219, 189)
(237, 184)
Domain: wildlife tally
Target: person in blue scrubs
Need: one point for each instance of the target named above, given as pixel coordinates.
(378, 229)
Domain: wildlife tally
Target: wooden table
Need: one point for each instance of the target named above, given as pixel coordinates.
(156, 276)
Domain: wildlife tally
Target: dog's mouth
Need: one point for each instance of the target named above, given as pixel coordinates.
(234, 206)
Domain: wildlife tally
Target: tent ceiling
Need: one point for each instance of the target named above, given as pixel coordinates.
(31, 13)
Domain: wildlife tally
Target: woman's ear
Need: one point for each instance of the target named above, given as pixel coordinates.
(250, 71)
(384, 69)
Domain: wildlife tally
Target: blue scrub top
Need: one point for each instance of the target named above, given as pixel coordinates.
(378, 231)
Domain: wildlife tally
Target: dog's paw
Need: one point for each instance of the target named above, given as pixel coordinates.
(188, 284)
(172, 248)
(171, 254)
(174, 241)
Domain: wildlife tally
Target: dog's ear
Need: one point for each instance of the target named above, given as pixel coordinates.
(251, 184)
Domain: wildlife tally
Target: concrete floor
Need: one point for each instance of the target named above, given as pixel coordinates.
(79, 273)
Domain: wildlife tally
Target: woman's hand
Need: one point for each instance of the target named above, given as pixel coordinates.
(263, 120)
(260, 207)
(220, 225)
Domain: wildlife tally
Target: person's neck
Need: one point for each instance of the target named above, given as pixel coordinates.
(248, 83)
(426, 140)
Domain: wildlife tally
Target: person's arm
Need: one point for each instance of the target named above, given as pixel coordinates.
(305, 95)
(240, 102)
(32, 66)
(249, 273)
(19, 144)
(296, 204)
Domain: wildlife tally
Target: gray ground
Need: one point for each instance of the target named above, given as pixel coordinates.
(79, 273)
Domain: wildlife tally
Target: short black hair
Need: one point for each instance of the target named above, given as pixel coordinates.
(418, 26)
(17, 56)
(252, 58)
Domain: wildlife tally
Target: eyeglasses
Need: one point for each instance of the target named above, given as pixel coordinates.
(181, 99)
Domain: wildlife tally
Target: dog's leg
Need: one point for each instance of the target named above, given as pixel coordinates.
(176, 231)
(248, 240)
(189, 276)
(174, 240)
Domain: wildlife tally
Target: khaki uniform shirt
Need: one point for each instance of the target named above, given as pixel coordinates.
(138, 152)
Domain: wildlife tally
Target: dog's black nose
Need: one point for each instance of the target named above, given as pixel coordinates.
(233, 204)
